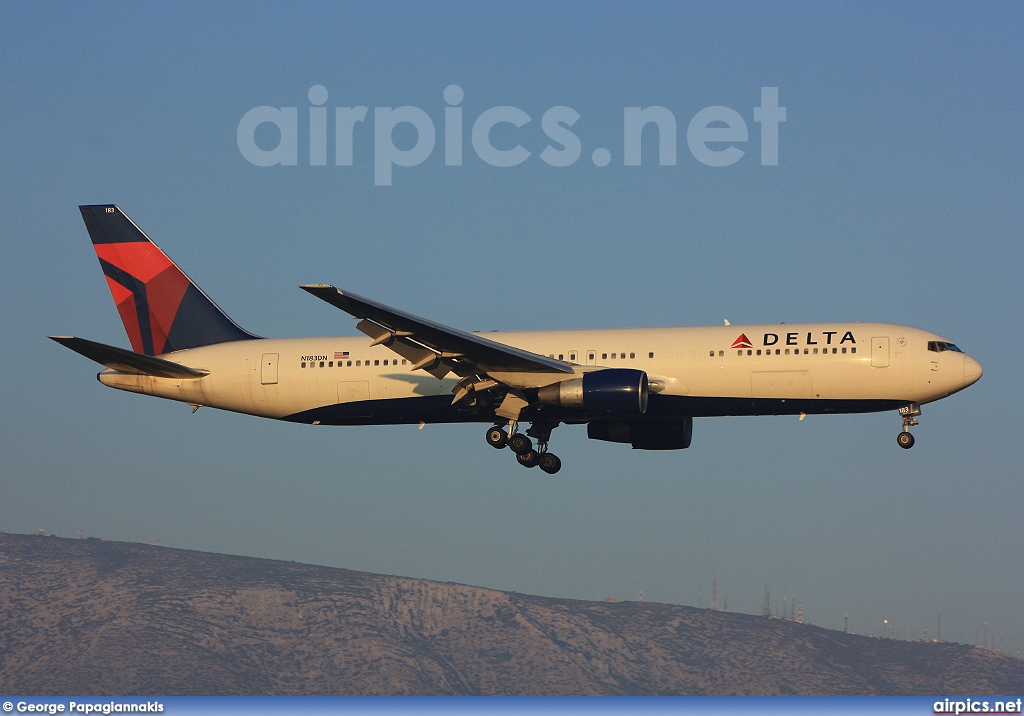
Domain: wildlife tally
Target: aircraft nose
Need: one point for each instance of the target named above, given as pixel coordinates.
(972, 371)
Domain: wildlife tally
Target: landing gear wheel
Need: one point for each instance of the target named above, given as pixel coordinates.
(496, 437)
(905, 440)
(520, 444)
(530, 458)
(550, 463)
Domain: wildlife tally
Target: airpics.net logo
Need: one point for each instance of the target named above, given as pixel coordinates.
(712, 134)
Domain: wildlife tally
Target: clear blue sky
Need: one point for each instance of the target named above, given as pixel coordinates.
(897, 197)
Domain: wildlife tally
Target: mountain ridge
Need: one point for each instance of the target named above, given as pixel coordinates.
(92, 617)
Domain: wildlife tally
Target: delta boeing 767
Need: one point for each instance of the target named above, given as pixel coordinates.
(642, 386)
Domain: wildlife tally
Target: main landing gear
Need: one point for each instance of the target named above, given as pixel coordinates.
(526, 455)
(909, 414)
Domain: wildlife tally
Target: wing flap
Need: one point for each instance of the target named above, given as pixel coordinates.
(418, 355)
(449, 345)
(127, 361)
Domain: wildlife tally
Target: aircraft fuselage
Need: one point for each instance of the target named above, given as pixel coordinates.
(787, 369)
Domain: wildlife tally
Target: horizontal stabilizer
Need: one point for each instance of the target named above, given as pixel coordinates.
(128, 361)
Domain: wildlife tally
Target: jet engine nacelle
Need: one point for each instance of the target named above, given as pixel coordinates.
(644, 433)
(612, 391)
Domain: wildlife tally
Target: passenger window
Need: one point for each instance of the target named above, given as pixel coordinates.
(853, 350)
(633, 355)
(303, 365)
(739, 353)
(572, 357)
(712, 354)
(650, 355)
(721, 353)
(844, 349)
(560, 356)
(787, 351)
(604, 356)
(759, 351)
(321, 364)
(778, 351)
(749, 352)
(330, 364)
(833, 351)
(349, 363)
(359, 362)
(376, 362)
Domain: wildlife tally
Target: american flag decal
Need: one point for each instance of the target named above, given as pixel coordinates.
(340, 354)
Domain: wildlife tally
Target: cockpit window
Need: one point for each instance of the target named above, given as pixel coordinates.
(940, 346)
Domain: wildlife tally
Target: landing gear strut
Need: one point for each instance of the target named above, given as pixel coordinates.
(526, 454)
(909, 414)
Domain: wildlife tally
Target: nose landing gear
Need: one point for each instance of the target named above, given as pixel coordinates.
(909, 414)
(522, 446)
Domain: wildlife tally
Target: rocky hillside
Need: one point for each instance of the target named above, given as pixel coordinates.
(94, 617)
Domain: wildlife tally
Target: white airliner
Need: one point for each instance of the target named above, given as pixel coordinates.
(641, 386)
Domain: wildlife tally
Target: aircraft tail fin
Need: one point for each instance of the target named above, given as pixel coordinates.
(161, 308)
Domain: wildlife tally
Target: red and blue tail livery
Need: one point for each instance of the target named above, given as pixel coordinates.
(162, 310)
(640, 386)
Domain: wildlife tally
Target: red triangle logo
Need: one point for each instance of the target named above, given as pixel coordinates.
(742, 342)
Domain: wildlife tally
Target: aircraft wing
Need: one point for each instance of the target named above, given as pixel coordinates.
(128, 361)
(428, 343)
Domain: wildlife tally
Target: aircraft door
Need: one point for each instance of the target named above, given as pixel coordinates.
(591, 357)
(880, 352)
(268, 369)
